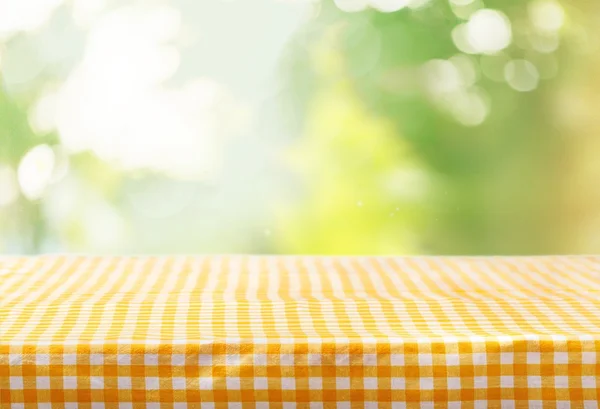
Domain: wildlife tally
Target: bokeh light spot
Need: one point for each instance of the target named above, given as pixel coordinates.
(460, 39)
(450, 84)
(464, 9)
(42, 114)
(24, 15)
(470, 107)
(521, 75)
(461, 2)
(35, 171)
(544, 42)
(9, 190)
(546, 15)
(488, 31)
(389, 6)
(441, 77)
(467, 67)
(351, 6)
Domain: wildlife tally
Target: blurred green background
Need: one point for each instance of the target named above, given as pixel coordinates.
(300, 126)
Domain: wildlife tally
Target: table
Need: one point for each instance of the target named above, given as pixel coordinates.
(287, 332)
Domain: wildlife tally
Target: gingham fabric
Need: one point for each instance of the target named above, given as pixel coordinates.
(299, 332)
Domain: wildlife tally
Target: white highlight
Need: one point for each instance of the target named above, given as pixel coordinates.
(35, 171)
(384, 6)
(9, 190)
(450, 84)
(24, 15)
(116, 105)
(546, 15)
(521, 75)
(488, 31)
(351, 6)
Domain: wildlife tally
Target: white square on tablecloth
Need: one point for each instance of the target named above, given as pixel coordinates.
(178, 359)
(588, 357)
(151, 359)
(261, 383)
(398, 383)
(123, 359)
(479, 358)
(233, 382)
(370, 383)
(70, 382)
(370, 359)
(15, 359)
(42, 359)
(481, 404)
(452, 360)
(506, 358)
(42, 382)
(561, 358)
(152, 383)
(453, 382)
(206, 383)
(426, 383)
(179, 383)
(232, 359)
(288, 384)
(533, 357)
(96, 382)
(588, 382)
(124, 382)
(96, 359)
(286, 359)
(425, 360)
(342, 383)
(561, 381)
(260, 359)
(480, 382)
(315, 383)
(205, 360)
(397, 359)
(314, 359)
(534, 381)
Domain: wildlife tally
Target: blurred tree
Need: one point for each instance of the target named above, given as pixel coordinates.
(357, 173)
(489, 146)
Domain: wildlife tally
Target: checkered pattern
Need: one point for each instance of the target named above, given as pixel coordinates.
(299, 332)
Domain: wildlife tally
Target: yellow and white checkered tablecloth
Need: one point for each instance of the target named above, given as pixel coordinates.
(237, 332)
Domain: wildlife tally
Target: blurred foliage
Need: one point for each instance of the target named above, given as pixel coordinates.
(380, 134)
(495, 188)
(356, 168)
